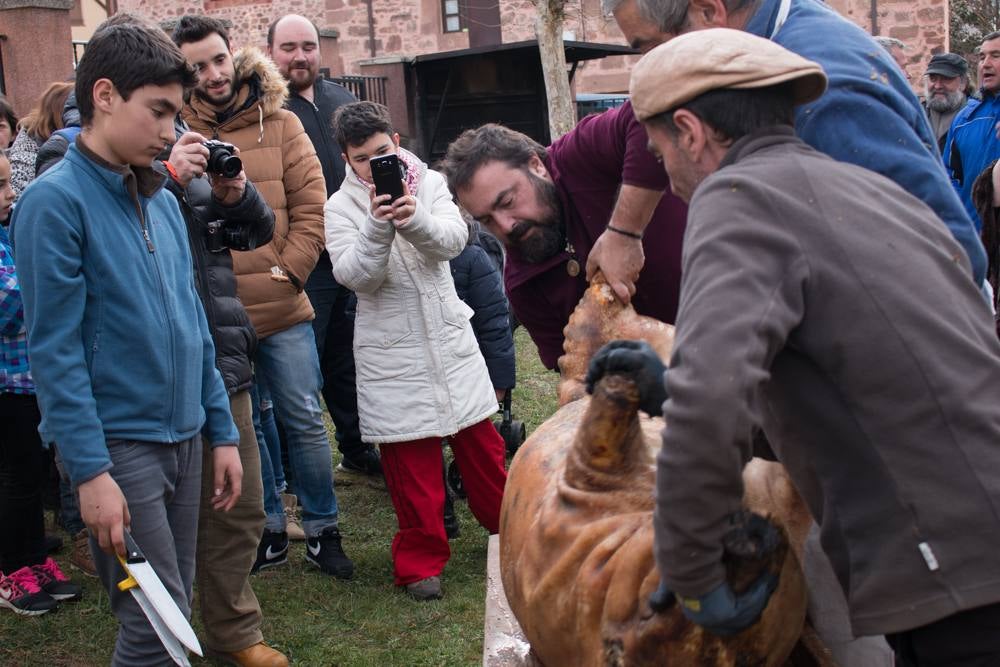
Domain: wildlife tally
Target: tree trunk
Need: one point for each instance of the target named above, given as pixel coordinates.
(549, 30)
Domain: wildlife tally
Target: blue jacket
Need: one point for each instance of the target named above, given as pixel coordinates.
(119, 345)
(479, 284)
(869, 115)
(971, 146)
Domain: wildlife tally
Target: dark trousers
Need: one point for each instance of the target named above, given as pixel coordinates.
(22, 477)
(967, 639)
(335, 307)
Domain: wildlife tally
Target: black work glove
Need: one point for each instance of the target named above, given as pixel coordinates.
(638, 360)
(662, 599)
(720, 611)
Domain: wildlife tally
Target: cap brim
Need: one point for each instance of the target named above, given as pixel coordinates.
(944, 71)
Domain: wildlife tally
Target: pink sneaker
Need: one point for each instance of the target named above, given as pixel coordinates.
(20, 592)
(52, 580)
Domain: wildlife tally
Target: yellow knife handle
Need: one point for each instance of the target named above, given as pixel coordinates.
(128, 582)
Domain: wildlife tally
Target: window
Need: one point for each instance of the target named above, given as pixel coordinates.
(452, 16)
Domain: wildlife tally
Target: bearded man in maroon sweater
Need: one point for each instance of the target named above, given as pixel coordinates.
(556, 208)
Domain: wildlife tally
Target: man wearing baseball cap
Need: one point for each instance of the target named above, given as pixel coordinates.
(946, 89)
(825, 305)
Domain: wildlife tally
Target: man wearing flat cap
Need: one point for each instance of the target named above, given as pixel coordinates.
(946, 89)
(972, 143)
(825, 305)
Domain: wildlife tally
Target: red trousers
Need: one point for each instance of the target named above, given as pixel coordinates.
(415, 480)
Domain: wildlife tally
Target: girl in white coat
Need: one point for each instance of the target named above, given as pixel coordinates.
(420, 374)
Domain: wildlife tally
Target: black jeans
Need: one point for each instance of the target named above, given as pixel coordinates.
(967, 639)
(22, 477)
(335, 307)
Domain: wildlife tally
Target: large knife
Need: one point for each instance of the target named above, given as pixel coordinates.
(170, 625)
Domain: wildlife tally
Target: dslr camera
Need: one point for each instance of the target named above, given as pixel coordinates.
(221, 160)
(221, 236)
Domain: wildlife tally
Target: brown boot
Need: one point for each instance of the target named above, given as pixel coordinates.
(81, 558)
(293, 526)
(258, 655)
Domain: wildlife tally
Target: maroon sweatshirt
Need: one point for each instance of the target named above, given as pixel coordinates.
(588, 166)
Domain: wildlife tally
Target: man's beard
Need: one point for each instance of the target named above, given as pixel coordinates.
(950, 102)
(550, 238)
(300, 84)
(218, 102)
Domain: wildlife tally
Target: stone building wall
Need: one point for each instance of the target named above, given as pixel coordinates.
(413, 27)
(921, 25)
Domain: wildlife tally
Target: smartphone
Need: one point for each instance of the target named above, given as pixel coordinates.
(387, 175)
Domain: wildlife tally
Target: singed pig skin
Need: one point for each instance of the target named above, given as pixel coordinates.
(576, 533)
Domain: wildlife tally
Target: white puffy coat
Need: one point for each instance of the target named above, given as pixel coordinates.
(420, 372)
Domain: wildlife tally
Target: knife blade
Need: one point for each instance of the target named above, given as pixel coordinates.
(166, 610)
(174, 647)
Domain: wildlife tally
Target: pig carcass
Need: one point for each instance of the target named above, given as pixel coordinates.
(576, 532)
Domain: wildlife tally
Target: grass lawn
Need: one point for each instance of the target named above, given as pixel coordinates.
(313, 618)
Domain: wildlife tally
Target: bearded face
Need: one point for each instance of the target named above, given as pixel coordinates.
(544, 237)
(295, 50)
(942, 98)
(301, 73)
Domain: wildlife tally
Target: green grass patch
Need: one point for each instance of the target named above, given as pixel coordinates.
(314, 618)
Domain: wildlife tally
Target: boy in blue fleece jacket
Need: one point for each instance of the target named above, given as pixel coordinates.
(121, 353)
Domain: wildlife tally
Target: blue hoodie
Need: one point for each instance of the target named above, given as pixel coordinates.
(117, 336)
(972, 145)
(869, 115)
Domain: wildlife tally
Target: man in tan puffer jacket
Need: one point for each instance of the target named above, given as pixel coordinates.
(239, 100)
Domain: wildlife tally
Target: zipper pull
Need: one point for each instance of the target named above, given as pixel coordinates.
(149, 241)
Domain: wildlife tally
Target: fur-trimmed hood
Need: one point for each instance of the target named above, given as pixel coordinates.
(261, 90)
(272, 88)
(280, 160)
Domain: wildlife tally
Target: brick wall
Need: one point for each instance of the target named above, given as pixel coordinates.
(36, 50)
(412, 27)
(921, 25)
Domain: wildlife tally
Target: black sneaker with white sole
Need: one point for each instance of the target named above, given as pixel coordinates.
(272, 550)
(363, 462)
(325, 552)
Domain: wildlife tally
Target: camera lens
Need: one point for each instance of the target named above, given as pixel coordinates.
(221, 159)
(231, 166)
(225, 164)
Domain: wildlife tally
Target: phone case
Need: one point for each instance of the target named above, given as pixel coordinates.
(387, 176)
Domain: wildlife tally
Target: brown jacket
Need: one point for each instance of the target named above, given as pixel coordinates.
(826, 304)
(279, 159)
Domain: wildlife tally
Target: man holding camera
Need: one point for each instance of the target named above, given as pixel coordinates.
(240, 100)
(224, 212)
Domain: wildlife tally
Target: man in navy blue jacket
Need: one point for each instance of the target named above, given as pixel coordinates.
(972, 142)
(869, 115)
(293, 44)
